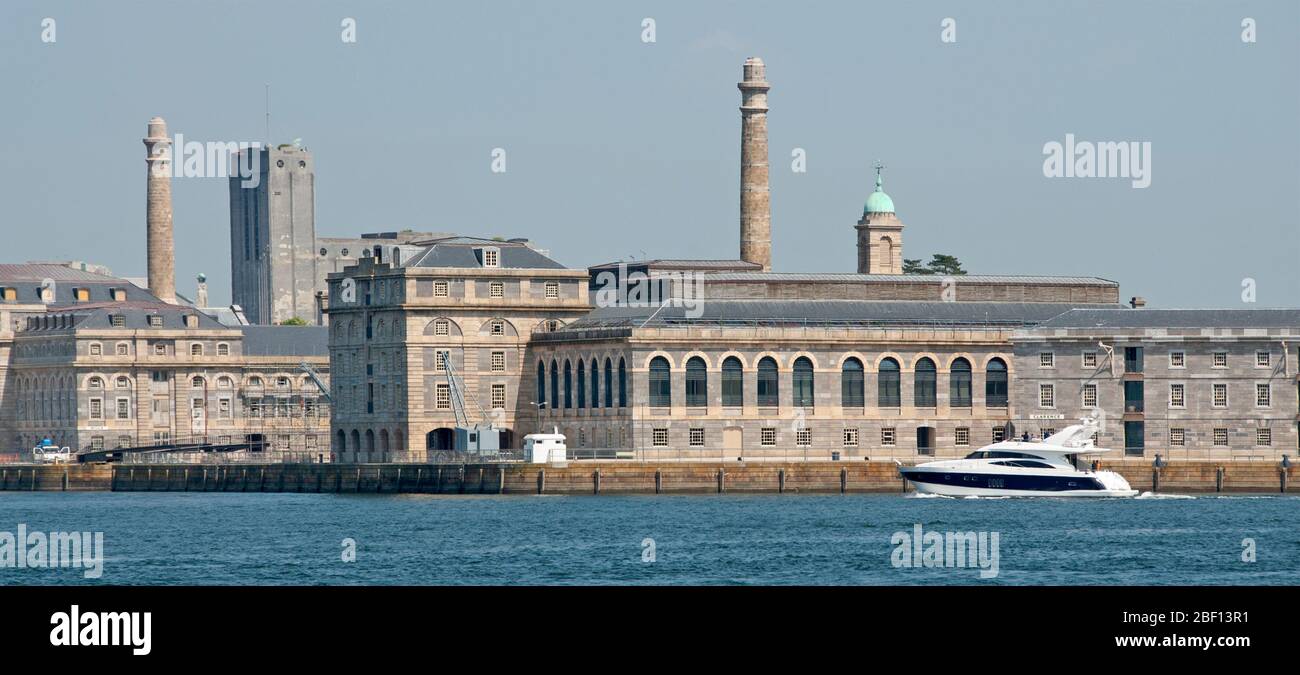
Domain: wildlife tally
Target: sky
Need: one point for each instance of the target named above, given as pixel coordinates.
(617, 147)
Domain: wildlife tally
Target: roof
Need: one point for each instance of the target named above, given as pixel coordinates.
(462, 252)
(842, 278)
(827, 313)
(26, 280)
(285, 340)
(135, 315)
(1175, 318)
(683, 264)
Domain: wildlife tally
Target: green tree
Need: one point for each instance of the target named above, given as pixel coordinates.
(946, 265)
(914, 266)
(295, 321)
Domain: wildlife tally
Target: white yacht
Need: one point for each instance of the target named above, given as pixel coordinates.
(1023, 469)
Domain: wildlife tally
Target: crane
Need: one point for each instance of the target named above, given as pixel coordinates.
(315, 377)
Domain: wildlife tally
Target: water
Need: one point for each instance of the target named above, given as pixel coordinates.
(213, 538)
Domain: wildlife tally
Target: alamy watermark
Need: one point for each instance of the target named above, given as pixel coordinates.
(946, 549)
(40, 550)
(635, 288)
(213, 159)
(1102, 159)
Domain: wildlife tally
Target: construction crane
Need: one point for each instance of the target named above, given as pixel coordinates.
(480, 437)
(315, 377)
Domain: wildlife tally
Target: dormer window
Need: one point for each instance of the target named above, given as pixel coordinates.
(8, 294)
(118, 294)
(155, 321)
(81, 294)
(117, 320)
(490, 256)
(191, 321)
(552, 290)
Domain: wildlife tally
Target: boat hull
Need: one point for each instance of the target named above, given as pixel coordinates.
(957, 483)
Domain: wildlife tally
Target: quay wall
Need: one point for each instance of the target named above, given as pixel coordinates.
(594, 477)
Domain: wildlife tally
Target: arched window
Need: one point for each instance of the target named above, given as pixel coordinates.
(223, 349)
(568, 384)
(889, 385)
(582, 384)
(995, 384)
(697, 383)
(851, 384)
(541, 385)
(595, 383)
(924, 378)
(96, 383)
(197, 382)
(555, 384)
(123, 382)
(196, 349)
(768, 390)
(959, 384)
(803, 382)
(661, 393)
(340, 441)
(733, 383)
(609, 383)
(622, 383)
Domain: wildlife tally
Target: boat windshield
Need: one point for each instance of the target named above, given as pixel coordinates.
(1000, 454)
(1026, 464)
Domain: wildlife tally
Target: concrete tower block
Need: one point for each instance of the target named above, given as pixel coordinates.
(755, 205)
(162, 256)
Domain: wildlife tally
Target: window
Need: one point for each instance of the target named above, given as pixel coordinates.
(1177, 359)
(1177, 396)
(850, 437)
(959, 384)
(659, 438)
(803, 382)
(196, 349)
(1220, 399)
(697, 383)
(622, 383)
(498, 396)
(888, 385)
(541, 386)
(1046, 396)
(254, 406)
(1089, 396)
(1263, 396)
(491, 257)
(117, 320)
(767, 383)
(1177, 437)
(995, 384)
(924, 384)
(496, 289)
(441, 327)
(1135, 438)
(852, 384)
(96, 409)
(440, 289)
(498, 362)
(1090, 359)
(1264, 436)
(96, 349)
(124, 408)
(552, 290)
(155, 321)
(888, 436)
(962, 436)
(1262, 359)
(660, 383)
(767, 437)
(999, 434)
(122, 382)
(223, 408)
(123, 349)
(441, 358)
(1220, 360)
(803, 437)
(223, 349)
(609, 383)
(582, 384)
(1046, 359)
(281, 382)
(1221, 437)
(442, 397)
(498, 328)
(96, 442)
(733, 382)
(1132, 359)
(697, 437)
(160, 349)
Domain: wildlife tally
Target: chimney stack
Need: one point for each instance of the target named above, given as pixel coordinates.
(162, 257)
(1137, 302)
(755, 205)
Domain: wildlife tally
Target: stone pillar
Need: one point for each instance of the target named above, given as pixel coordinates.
(755, 206)
(161, 256)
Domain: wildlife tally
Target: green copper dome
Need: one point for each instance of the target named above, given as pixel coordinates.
(878, 201)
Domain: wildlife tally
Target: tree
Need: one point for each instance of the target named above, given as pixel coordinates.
(946, 265)
(914, 266)
(295, 321)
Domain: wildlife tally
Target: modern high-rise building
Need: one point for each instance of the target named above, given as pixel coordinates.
(273, 237)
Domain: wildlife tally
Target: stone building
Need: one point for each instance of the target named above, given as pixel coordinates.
(880, 233)
(1187, 383)
(399, 318)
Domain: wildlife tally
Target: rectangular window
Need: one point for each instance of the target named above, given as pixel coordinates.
(999, 434)
(96, 442)
(1262, 359)
(96, 409)
(1133, 359)
(697, 437)
(1220, 359)
(1221, 437)
(496, 289)
(767, 436)
(498, 328)
(1220, 399)
(1263, 396)
(441, 357)
(1090, 359)
(1046, 396)
(498, 362)
(442, 397)
(123, 349)
(123, 441)
(1264, 436)
(160, 349)
(1177, 437)
(962, 437)
(223, 408)
(1177, 360)
(1046, 360)
(96, 349)
(155, 320)
(1090, 396)
(441, 327)
(498, 396)
(851, 437)
(124, 408)
(491, 257)
(440, 289)
(552, 289)
(888, 436)
(1177, 396)
(803, 437)
(659, 438)
(118, 320)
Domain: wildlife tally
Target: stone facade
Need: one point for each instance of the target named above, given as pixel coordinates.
(160, 246)
(755, 196)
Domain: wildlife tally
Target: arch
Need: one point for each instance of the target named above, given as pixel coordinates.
(541, 385)
(924, 383)
(661, 355)
(383, 440)
(225, 382)
(487, 326)
(959, 383)
(340, 441)
(452, 328)
(568, 384)
(92, 382)
(370, 440)
(441, 438)
(197, 382)
(582, 384)
(609, 383)
(356, 441)
(399, 439)
(660, 382)
(852, 383)
(697, 382)
(995, 383)
(555, 385)
(595, 383)
(768, 385)
(889, 384)
(733, 382)
(622, 382)
(802, 379)
(740, 358)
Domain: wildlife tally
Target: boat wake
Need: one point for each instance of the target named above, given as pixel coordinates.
(1154, 495)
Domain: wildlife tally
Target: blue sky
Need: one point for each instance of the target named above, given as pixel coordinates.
(617, 148)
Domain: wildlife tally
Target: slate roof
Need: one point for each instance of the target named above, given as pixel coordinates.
(135, 315)
(1175, 318)
(459, 252)
(908, 278)
(682, 264)
(285, 340)
(26, 281)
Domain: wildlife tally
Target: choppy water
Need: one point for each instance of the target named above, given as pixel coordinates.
(211, 538)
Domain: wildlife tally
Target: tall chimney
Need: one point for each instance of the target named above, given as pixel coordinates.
(162, 257)
(755, 206)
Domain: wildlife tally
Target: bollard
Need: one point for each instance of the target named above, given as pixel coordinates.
(203, 486)
(659, 481)
(1155, 480)
(399, 480)
(595, 477)
(460, 480)
(844, 481)
(501, 480)
(65, 482)
(1218, 479)
(1283, 472)
(357, 487)
(721, 478)
(780, 481)
(379, 478)
(437, 484)
(32, 487)
(186, 477)
(541, 481)
(261, 479)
